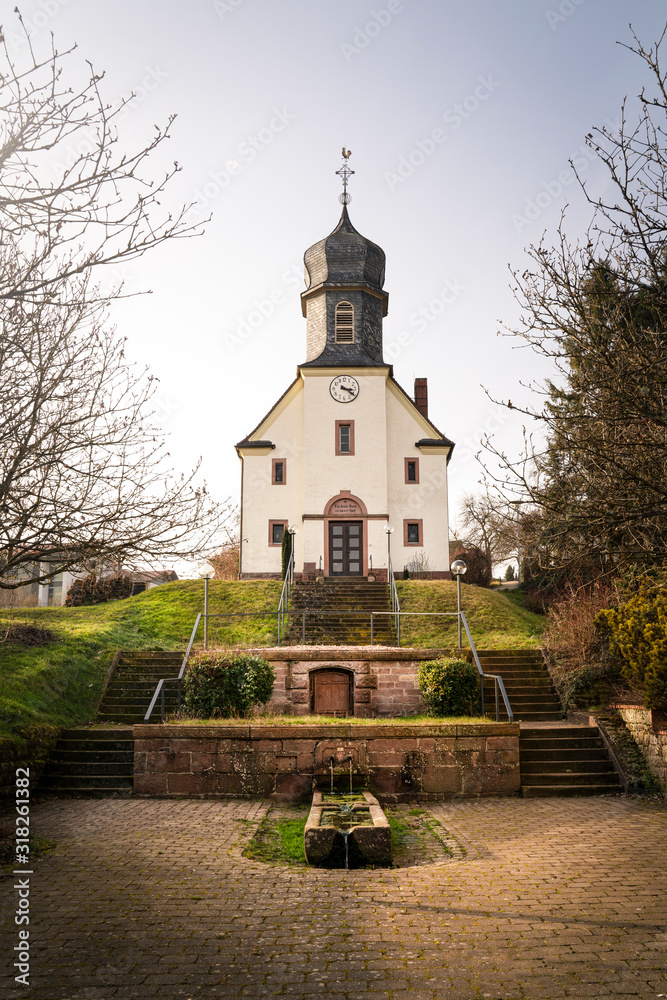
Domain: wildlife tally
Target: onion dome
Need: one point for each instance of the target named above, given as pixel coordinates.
(344, 258)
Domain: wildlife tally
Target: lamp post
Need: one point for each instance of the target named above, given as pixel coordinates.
(292, 529)
(458, 568)
(206, 579)
(388, 531)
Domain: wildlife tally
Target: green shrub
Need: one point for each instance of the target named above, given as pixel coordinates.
(478, 571)
(219, 685)
(450, 687)
(637, 636)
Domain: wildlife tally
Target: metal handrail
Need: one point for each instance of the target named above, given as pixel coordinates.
(159, 688)
(497, 680)
(395, 603)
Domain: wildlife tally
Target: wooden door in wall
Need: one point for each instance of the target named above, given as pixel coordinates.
(331, 692)
(346, 557)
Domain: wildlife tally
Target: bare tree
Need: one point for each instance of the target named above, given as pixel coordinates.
(83, 471)
(489, 525)
(225, 561)
(70, 198)
(596, 481)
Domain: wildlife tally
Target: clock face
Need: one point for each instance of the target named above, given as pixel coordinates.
(344, 388)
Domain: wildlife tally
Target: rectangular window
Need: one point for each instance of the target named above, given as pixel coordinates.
(345, 437)
(276, 531)
(278, 471)
(413, 533)
(412, 470)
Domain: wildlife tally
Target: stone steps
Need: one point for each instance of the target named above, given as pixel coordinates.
(565, 760)
(129, 694)
(527, 682)
(91, 762)
(339, 597)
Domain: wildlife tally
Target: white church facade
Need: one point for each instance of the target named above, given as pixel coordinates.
(345, 459)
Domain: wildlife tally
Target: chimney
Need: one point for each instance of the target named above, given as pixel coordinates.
(421, 396)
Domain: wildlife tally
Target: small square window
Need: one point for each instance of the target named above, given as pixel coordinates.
(345, 437)
(276, 531)
(413, 533)
(278, 471)
(412, 470)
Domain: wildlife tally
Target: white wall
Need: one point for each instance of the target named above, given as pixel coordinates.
(302, 428)
(425, 500)
(261, 500)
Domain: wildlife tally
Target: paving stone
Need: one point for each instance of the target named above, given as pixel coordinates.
(152, 899)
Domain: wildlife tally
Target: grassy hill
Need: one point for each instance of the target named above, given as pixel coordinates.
(60, 683)
(496, 621)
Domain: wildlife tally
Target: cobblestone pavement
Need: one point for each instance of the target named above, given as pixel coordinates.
(153, 899)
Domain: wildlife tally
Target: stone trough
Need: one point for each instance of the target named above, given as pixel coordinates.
(347, 831)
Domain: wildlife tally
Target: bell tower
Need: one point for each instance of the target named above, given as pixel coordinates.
(344, 302)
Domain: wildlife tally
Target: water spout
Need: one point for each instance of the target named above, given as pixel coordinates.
(346, 834)
(349, 757)
(331, 766)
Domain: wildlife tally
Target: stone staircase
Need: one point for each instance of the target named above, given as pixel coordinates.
(100, 761)
(340, 595)
(129, 694)
(91, 762)
(556, 758)
(565, 760)
(529, 687)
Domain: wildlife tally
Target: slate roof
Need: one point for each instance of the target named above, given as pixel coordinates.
(344, 257)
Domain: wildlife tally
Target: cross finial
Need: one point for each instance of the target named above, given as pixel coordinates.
(345, 173)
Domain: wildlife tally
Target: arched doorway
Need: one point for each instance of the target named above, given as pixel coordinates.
(345, 541)
(332, 692)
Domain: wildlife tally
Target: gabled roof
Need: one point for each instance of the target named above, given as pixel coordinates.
(246, 442)
(439, 439)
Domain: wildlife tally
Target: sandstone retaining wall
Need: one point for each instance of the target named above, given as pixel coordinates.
(649, 728)
(397, 763)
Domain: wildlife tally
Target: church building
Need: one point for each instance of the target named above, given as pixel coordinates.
(346, 459)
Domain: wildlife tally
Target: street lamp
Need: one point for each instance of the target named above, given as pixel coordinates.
(207, 577)
(458, 568)
(388, 531)
(291, 530)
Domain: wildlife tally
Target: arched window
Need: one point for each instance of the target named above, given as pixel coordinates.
(344, 323)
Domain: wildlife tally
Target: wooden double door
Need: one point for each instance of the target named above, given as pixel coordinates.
(346, 550)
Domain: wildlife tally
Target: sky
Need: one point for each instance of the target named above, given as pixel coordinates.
(461, 118)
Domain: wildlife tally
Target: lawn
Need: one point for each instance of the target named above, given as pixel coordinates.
(495, 620)
(60, 683)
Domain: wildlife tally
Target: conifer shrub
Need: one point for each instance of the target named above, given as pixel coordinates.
(92, 590)
(450, 687)
(286, 551)
(636, 633)
(217, 684)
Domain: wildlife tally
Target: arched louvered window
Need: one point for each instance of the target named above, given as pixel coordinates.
(344, 323)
